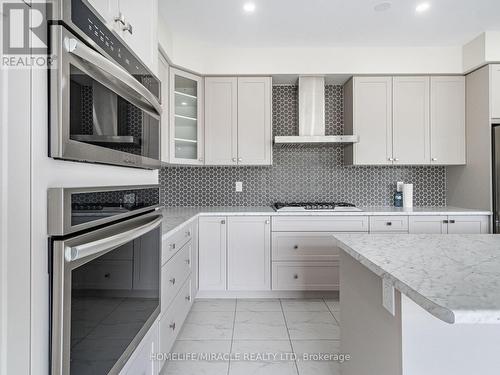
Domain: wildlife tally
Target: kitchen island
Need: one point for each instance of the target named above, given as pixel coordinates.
(420, 304)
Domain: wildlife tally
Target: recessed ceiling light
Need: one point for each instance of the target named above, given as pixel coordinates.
(249, 7)
(382, 7)
(422, 7)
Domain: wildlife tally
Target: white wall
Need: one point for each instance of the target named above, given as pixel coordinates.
(208, 60)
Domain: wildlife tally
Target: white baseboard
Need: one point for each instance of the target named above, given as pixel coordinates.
(202, 294)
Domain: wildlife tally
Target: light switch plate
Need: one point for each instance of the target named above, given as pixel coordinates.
(239, 186)
(388, 296)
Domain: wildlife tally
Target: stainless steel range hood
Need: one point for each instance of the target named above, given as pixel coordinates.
(312, 116)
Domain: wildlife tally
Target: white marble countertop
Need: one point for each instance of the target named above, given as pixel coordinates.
(175, 217)
(454, 277)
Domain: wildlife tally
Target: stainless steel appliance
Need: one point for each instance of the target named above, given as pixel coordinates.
(105, 275)
(495, 137)
(316, 207)
(104, 102)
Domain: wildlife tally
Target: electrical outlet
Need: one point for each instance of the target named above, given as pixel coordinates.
(239, 186)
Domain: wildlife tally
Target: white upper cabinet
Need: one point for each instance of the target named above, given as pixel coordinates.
(405, 120)
(135, 22)
(140, 31)
(238, 122)
(186, 118)
(368, 114)
(163, 75)
(411, 120)
(254, 121)
(448, 120)
(249, 253)
(495, 91)
(221, 120)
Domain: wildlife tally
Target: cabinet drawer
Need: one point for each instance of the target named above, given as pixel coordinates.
(171, 322)
(320, 224)
(173, 275)
(389, 224)
(304, 246)
(305, 276)
(171, 244)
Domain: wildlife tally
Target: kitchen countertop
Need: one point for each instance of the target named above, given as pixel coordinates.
(456, 278)
(174, 217)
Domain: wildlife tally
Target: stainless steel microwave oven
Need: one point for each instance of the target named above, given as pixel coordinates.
(104, 103)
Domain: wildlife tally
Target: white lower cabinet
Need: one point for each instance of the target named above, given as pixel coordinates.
(141, 363)
(249, 253)
(212, 253)
(172, 320)
(305, 275)
(466, 224)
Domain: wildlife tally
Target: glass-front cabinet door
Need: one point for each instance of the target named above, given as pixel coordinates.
(186, 118)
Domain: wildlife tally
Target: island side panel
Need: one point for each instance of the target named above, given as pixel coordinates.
(433, 347)
(369, 333)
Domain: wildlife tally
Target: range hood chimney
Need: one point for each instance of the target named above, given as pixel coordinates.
(312, 115)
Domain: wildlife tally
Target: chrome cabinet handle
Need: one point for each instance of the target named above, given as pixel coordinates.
(128, 28)
(390, 159)
(268, 222)
(452, 221)
(200, 159)
(188, 233)
(223, 221)
(120, 18)
(172, 246)
(188, 261)
(172, 325)
(445, 221)
(172, 280)
(295, 276)
(188, 298)
(434, 159)
(296, 247)
(396, 159)
(388, 223)
(235, 160)
(240, 159)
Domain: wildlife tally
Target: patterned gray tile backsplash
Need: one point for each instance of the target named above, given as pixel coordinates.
(313, 173)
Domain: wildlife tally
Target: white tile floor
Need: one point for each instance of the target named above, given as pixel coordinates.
(270, 329)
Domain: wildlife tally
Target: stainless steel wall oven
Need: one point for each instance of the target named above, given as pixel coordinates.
(105, 275)
(104, 102)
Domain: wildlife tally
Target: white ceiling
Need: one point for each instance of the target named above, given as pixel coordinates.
(325, 23)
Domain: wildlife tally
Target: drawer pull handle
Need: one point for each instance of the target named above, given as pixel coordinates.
(188, 262)
(172, 280)
(267, 222)
(388, 223)
(223, 221)
(188, 298)
(172, 246)
(295, 276)
(445, 221)
(172, 325)
(452, 221)
(188, 233)
(107, 275)
(296, 247)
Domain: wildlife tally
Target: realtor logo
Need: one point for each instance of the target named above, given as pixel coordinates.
(24, 35)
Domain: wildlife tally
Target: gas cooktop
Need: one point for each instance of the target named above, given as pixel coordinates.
(316, 206)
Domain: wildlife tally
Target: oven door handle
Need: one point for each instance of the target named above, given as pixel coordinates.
(108, 243)
(119, 77)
